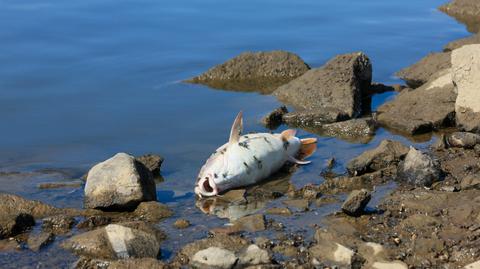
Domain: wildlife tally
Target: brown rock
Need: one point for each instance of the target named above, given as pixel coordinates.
(152, 162)
(152, 211)
(38, 241)
(252, 223)
(473, 39)
(421, 72)
(466, 12)
(470, 182)
(181, 224)
(274, 118)
(278, 211)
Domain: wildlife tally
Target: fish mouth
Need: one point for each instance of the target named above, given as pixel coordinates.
(206, 187)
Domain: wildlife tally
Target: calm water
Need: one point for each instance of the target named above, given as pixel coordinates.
(82, 80)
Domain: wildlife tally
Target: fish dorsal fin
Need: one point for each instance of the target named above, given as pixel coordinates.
(287, 134)
(236, 130)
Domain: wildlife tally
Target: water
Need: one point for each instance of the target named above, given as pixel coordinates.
(82, 80)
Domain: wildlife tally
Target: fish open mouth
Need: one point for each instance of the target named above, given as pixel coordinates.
(206, 187)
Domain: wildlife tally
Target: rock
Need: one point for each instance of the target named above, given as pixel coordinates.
(152, 211)
(59, 185)
(419, 169)
(213, 257)
(474, 265)
(181, 224)
(252, 223)
(304, 118)
(59, 224)
(278, 211)
(378, 88)
(466, 77)
(274, 118)
(387, 153)
(440, 143)
(88, 263)
(470, 182)
(117, 241)
(338, 87)
(37, 241)
(463, 140)
(310, 192)
(91, 222)
(11, 204)
(152, 162)
(119, 183)
(254, 71)
(350, 129)
(466, 12)
(389, 265)
(430, 107)
(421, 72)
(477, 149)
(253, 255)
(13, 224)
(299, 204)
(356, 202)
(473, 39)
(9, 245)
(333, 252)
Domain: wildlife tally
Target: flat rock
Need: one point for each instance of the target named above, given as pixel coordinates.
(60, 185)
(214, 257)
(387, 153)
(152, 211)
(473, 265)
(466, 12)
(11, 204)
(152, 162)
(299, 204)
(339, 86)
(9, 245)
(119, 183)
(430, 107)
(356, 202)
(389, 265)
(88, 263)
(421, 72)
(332, 252)
(254, 71)
(470, 182)
(353, 129)
(278, 211)
(466, 77)
(419, 169)
(463, 140)
(473, 39)
(303, 118)
(37, 241)
(252, 223)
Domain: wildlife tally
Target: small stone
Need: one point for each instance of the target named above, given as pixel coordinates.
(59, 224)
(311, 193)
(278, 211)
(419, 169)
(152, 211)
(181, 224)
(252, 223)
(254, 255)
(300, 204)
(449, 188)
(91, 222)
(214, 257)
(463, 140)
(38, 241)
(356, 202)
(470, 182)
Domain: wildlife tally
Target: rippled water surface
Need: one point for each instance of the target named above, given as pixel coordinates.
(82, 80)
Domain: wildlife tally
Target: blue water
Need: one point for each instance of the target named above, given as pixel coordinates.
(82, 80)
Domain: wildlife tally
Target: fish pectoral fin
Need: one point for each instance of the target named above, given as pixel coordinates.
(287, 134)
(294, 160)
(236, 130)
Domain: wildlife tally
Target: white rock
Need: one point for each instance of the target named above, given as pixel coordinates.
(118, 183)
(475, 265)
(127, 242)
(389, 265)
(214, 257)
(466, 78)
(254, 255)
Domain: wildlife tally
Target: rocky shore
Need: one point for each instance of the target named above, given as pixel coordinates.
(431, 219)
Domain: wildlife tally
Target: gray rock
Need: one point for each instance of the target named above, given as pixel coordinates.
(421, 72)
(254, 71)
(473, 39)
(387, 153)
(470, 182)
(152, 162)
(37, 241)
(419, 169)
(463, 140)
(214, 257)
(466, 12)
(119, 183)
(430, 107)
(253, 255)
(356, 202)
(466, 77)
(275, 118)
(477, 149)
(339, 86)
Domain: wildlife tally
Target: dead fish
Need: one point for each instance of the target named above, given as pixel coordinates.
(248, 159)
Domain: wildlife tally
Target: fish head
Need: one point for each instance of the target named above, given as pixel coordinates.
(206, 185)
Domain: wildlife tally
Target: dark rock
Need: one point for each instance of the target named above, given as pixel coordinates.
(463, 140)
(152, 211)
(152, 162)
(260, 71)
(119, 183)
(59, 224)
(13, 224)
(95, 221)
(181, 224)
(387, 153)
(38, 241)
(339, 86)
(422, 110)
(466, 12)
(275, 118)
(440, 143)
(473, 39)
(470, 182)
(419, 169)
(421, 72)
(356, 202)
(378, 88)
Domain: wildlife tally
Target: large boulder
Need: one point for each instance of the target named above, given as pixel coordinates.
(465, 11)
(117, 241)
(339, 86)
(430, 107)
(421, 72)
(466, 77)
(419, 169)
(119, 183)
(387, 153)
(254, 71)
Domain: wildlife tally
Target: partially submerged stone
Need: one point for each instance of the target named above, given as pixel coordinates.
(11, 204)
(152, 211)
(421, 72)
(356, 202)
(14, 224)
(119, 183)
(351, 130)
(252, 223)
(58, 224)
(181, 224)
(89, 263)
(214, 257)
(419, 169)
(466, 77)
(275, 118)
(279, 211)
(254, 71)
(37, 241)
(339, 86)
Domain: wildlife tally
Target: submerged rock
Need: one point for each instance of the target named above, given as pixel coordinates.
(37, 241)
(275, 118)
(254, 71)
(356, 202)
(119, 183)
(387, 153)
(181, 224)
(430, 107)
(421, 72)
(152, 162)
(419, 169)
(252, 223)
(466, 77)
(338, 87)
(463, 140)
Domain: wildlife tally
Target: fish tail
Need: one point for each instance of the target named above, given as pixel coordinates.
(307, 148)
